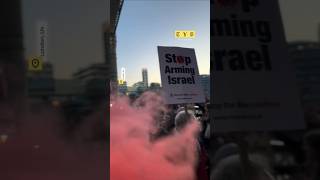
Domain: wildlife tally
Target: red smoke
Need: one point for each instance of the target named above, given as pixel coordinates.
(37, 152)
(134, 157)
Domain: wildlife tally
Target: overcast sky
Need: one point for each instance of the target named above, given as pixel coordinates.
(75, 28)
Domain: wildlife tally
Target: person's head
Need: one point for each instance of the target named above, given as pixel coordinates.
(231, 168)
(224, 151)
(182, 119)
(228, 166)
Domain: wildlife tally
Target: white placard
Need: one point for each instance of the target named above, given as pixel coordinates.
(180, 75)
(254, 85)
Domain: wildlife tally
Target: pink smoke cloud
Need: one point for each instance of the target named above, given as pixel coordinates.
(134, 157)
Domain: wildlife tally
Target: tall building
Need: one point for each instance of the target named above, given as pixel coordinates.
(110, 39)
(205, 83)
(110, 53)
(123, 74)
(306, 61)
(96, 77)
(115, 10)
(145, 77)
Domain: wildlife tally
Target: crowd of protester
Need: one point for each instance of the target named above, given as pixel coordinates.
(175, 118)
(222, 157)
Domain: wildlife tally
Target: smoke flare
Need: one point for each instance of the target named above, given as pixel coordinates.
(133, 156)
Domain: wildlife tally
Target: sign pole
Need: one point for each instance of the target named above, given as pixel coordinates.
(186, 109)
(244, 155)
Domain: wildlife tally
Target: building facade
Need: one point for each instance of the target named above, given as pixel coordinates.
(139, 87)
(156, 87)
(205, 83)
(110, 39)
(145, 77)
(94, 78)
(305, 58)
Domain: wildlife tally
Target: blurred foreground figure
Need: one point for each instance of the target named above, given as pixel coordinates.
(231, 168)
(312, 147)
(228, 166)
(12, 67)
(182, 118)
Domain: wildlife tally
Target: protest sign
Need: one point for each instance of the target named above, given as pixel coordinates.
(180, 75)
(253, 81)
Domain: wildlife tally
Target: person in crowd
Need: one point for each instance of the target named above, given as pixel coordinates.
(203, 117)
(207, 131)
(182, 118)
(164, 122)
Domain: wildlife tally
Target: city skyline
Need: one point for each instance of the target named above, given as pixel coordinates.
(141, 80)
(75, 37)
(152, 26)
